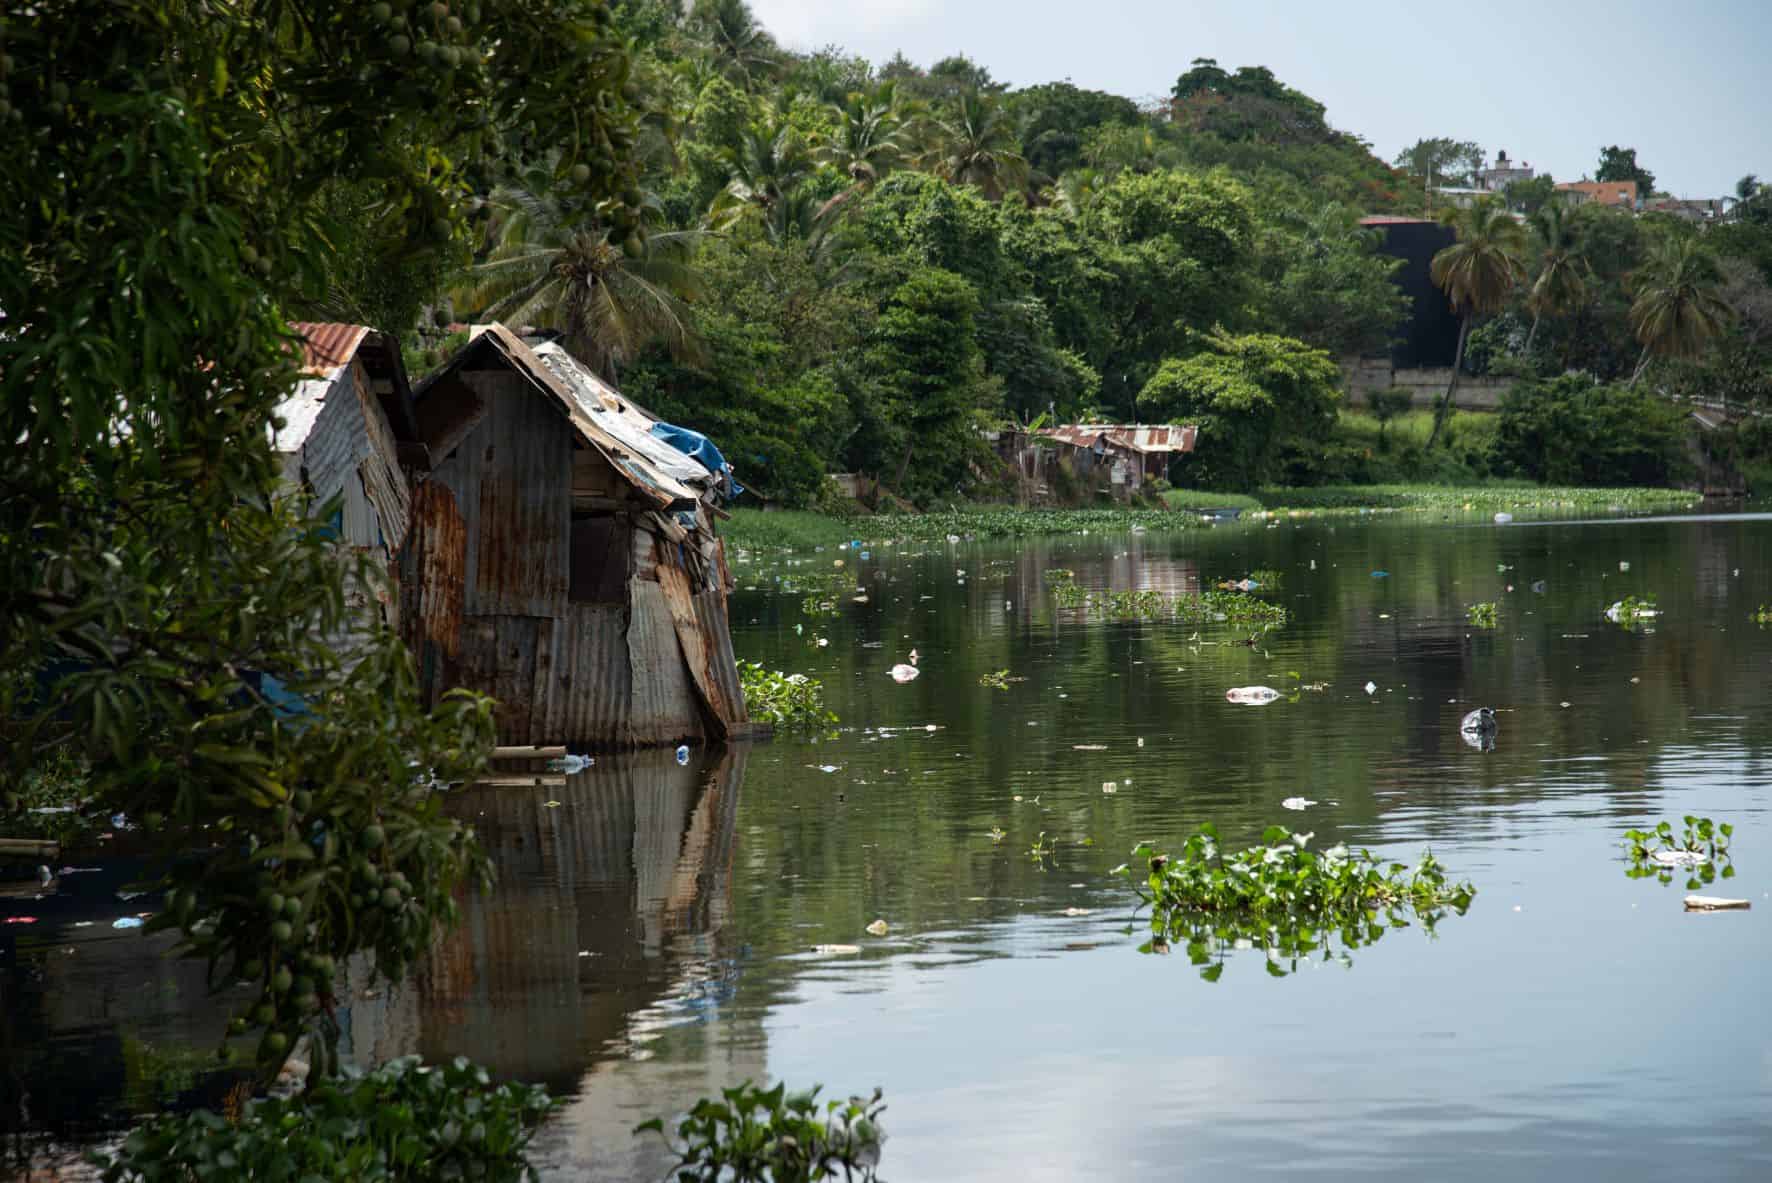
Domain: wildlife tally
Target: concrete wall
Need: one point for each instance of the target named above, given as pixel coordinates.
(1425, 386)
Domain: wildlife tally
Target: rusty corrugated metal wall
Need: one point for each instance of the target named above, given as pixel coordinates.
(487, 571)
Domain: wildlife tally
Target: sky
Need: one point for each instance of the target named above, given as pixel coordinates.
(1551, 82)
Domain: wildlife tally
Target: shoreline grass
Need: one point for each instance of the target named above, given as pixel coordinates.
(790, 530)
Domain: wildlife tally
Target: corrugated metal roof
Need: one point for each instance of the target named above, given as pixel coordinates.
(636, 464)
(326, 347)
(1392, 220)
(1140, 438)
(619, 417)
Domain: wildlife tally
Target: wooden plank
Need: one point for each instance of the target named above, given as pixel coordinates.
(528, 751)
(30, 847)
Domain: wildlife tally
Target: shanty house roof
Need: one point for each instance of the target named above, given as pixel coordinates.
(633, 454)
(1147, 440)
(621, 418)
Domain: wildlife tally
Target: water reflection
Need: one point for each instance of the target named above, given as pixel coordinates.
(606, 929)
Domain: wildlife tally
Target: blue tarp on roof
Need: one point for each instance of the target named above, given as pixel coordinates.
(701, 449)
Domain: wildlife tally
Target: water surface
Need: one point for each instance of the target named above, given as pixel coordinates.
(654, 935)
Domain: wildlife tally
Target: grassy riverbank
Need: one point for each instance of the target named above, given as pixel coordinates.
(802, 530)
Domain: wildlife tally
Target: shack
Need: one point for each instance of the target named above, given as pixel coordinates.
(349, 433)
(562, 557)
(1116, 458)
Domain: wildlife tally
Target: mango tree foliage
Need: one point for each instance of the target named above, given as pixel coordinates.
(931, 379)
(1246, 394)
(171, 171)
(1177, 246)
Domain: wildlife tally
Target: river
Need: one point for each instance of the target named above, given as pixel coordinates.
(664, 931)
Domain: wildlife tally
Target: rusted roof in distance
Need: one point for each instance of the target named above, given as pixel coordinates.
(1130, 437)
(326, 347)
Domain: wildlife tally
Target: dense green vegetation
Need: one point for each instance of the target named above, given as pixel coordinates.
(401, 1123)
(834, 265)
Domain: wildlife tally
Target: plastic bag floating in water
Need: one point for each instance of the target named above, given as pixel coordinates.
(1254, 696)
(570, 764)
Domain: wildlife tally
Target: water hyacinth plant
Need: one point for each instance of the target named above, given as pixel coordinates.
(1701, 848)
(1208, 607)
(786, 700)
(402, 1122)
(1633, 611)
(1482, 615)
(1283, 897)
(753, 1135)
(995, 680)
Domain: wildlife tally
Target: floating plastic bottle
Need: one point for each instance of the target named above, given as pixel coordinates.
(570, 764)
(683, 753)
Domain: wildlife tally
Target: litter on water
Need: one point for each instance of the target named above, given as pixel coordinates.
(904, 673)
(1713, 903)
(570, 764)
(1503, 518)
(1371, 688)
(1255, 696)
(683, 753)
(1679, 858)
(126, 922)
(878, 928)
(1381, 575)
(1296, 803)
(835, 950)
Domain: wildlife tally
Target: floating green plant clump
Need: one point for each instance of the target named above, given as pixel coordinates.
(1764, 615)
(1059, 575)
(1701, 849)
(996, 680)
(752, 1134)
(1282, 897)
(1208, 607)
(1482, 615)
(786, 700)
(1633, 611)
(1219, 607)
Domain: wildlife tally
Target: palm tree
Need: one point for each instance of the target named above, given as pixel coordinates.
(868, 139)
(975, 144)
(1076, 189)
(1678, 307)
(729, 31)
(611, 294)
(770, 163)
(1477, 273)
(1562, 268)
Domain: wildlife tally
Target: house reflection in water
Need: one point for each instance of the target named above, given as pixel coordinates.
(604, 929)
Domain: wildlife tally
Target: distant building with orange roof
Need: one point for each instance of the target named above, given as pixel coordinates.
(1618, 193)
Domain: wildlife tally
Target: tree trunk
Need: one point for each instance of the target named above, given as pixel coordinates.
(904, 466)
(1445, 407)
(1536, 317)
(1642, 364)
